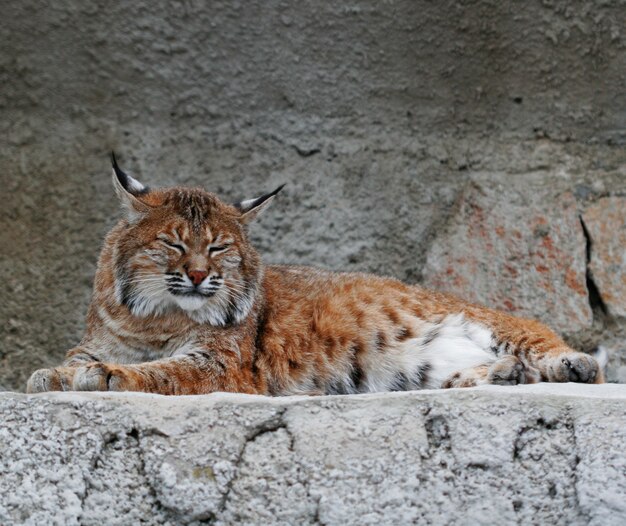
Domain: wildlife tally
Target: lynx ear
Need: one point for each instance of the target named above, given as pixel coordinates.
(129, 190)
(251, 208)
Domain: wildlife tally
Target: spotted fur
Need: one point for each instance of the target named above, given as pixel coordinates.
(182, 304)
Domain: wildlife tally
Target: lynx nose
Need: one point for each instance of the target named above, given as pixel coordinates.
(196, 276)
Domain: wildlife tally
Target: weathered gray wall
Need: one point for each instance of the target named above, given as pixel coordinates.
(419, 139)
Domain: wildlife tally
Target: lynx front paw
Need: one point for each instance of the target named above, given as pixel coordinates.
(44, 380)
(102, 377)
(574, 367)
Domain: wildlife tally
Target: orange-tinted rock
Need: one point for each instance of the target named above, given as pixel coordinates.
(606, 223)
(518, 249)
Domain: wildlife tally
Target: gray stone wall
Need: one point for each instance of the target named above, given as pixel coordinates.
(457, 144)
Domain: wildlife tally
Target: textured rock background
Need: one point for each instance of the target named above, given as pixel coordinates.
(502, 262)
(415, 137)
(537, 454)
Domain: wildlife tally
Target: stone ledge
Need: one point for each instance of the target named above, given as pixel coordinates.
(546, 453)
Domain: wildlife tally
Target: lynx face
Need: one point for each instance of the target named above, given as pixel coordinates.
(185, 249)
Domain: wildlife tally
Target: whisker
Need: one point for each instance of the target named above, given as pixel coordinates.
(145, 280)
(237, 288)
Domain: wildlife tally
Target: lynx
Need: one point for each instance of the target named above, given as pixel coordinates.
(182, 304)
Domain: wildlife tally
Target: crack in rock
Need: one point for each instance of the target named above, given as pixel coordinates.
(269, 426)
(596, 303)
(121, 453)
(571, 425)
(306, 151)
(546, 454)
(437, 432)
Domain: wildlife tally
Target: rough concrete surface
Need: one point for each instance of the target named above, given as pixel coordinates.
(538, 454)
(386, 119)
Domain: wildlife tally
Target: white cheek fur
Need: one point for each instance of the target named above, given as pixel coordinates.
(231, 261)
(157, 256)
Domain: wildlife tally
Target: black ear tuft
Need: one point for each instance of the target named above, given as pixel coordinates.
(114, 161)
(251, 208)
(128, 183)
(250, 204)
(272, 194)
(122, 177)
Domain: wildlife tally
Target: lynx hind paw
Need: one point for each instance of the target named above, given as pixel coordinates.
(44, 380)
(100, 377)
(510, 370)
(574, 367)
(466, 378)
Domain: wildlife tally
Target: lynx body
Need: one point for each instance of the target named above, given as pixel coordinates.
(182, 304)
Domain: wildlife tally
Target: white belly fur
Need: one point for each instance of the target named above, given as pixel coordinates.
(428, 360)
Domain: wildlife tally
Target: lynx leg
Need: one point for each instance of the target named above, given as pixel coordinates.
(508, 370)
(538, 346)
(197, 373)
(57, 379)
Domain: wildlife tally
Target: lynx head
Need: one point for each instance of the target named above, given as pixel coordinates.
(183, 248)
